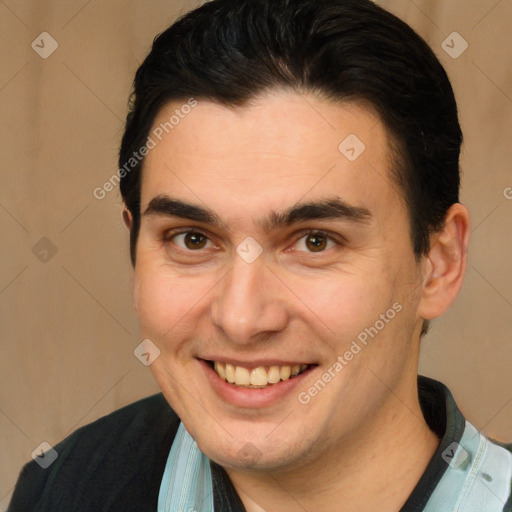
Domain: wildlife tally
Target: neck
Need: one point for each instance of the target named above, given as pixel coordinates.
(375, 468)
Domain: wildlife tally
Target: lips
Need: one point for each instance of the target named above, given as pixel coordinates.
(258, 377)
(255, 397)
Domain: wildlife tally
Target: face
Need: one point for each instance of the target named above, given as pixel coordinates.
(272, 256)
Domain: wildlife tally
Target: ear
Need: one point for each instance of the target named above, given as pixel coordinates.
(446, 264)
(127, 218)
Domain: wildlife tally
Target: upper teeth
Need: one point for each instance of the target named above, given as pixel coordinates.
(257, 377)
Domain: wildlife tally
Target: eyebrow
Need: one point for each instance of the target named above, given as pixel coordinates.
(324, 209)
(164, 205)
(332, 208)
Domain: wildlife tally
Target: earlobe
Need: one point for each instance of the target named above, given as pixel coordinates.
(446, 264)
(127, 218)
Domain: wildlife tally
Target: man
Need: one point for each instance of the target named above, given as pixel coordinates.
(290, 174)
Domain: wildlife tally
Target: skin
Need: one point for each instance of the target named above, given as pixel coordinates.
(361, 443)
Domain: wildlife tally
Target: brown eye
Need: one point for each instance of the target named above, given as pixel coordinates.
(195, 241)
(315, 242)
(191, 240)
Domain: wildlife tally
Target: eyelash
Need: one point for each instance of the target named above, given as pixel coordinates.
(308, 232)
(169, 235)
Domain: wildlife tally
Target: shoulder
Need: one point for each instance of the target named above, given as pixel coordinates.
(508, 447)
(118, 460)
(482, 468)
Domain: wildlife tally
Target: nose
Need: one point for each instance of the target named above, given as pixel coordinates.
(248, 305)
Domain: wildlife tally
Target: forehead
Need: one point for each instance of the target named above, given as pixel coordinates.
(282, 148)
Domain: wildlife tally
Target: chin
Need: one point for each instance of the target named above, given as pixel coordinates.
(260, 453)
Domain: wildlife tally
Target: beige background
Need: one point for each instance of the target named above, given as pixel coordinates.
(67, 327)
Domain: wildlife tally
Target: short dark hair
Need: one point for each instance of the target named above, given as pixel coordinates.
(229, 51)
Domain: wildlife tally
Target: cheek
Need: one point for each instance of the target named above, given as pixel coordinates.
(167, 302)
(346, 304)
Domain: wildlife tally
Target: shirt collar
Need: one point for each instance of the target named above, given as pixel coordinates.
(191, 481)
(447, 422)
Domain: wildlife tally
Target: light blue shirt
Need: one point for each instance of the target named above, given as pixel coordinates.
(477, 479)
(187, 481)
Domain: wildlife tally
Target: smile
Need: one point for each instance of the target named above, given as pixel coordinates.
(260, 377)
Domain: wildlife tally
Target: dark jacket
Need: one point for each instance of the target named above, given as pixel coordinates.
(117, 462)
